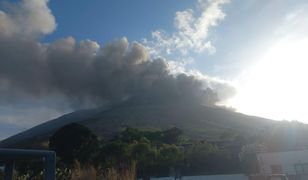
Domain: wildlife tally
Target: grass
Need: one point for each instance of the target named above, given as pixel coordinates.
(83, 173)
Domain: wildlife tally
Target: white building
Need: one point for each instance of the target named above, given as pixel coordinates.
(291, 163)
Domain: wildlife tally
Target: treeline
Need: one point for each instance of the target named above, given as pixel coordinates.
(136, 153)
(133, 153)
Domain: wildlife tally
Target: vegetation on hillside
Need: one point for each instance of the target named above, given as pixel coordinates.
(132, 153)
(135, 153)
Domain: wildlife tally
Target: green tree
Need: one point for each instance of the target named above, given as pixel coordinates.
(146, 157)
(170, 159)
(75, 142)
(204, 158)
(170, 154)
(129, 135)
(172, 136)
(113, 154)
(248, 157)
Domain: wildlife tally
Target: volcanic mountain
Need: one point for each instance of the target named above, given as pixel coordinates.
(197, 122)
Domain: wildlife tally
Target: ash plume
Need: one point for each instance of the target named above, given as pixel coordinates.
(86, 73)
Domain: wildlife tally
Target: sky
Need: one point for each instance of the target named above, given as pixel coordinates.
(251, 53)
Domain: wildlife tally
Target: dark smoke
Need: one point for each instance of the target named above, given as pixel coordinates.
(84, 73)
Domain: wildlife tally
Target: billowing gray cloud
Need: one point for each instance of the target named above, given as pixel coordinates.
(89, 74)
(29, 18)
(85, 73)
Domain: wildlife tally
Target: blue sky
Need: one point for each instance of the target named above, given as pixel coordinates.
(247, 24)
(104, 21)
(255, 45)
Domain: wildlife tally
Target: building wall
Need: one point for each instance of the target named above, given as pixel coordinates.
(286, 160)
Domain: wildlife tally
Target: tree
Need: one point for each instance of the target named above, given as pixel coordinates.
(248, 157)
(170, 158)
(204, 158)
(172, 136)
(75, 142)
(113, 154)
(146, 158)
(130, 135)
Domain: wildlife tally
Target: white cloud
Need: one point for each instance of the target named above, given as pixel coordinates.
(192, 33)
(28, 18)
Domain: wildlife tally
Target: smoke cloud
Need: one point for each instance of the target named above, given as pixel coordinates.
(85, 73)
(30, 18)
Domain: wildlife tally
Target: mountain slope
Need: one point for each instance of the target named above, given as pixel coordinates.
(197, 121)
(48, 127)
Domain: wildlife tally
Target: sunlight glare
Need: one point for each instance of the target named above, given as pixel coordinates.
(276, 86)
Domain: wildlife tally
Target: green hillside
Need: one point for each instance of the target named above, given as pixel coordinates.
(198, 122)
